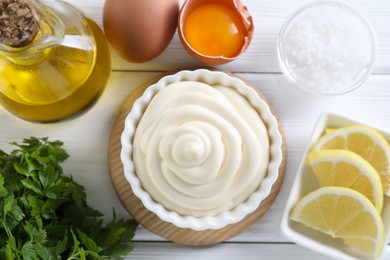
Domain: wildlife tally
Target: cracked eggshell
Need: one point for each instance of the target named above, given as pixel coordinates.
(235, 5)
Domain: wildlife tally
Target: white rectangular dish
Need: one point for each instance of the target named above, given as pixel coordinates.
(305, 182)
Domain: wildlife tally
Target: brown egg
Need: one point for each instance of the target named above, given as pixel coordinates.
(139, 30)
(215, 31)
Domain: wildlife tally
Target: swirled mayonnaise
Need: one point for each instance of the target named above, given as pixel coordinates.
(200, 150)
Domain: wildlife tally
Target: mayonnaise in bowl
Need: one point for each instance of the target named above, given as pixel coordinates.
(201, 149)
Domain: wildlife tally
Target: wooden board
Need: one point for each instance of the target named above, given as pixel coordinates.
(150, 220)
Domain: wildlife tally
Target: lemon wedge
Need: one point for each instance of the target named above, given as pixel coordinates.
(366, 142)
(343, 213)
(344, 168)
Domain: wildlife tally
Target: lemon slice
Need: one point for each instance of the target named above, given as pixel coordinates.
(343, 213)
(364, 141)
(330, 130)
(344, 168)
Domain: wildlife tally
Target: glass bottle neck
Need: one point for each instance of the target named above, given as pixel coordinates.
(50, 32)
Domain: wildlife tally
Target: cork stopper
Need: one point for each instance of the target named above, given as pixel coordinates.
(18, 26)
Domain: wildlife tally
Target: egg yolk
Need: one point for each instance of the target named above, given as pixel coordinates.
(214, 30)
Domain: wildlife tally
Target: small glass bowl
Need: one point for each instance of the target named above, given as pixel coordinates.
(327, 48)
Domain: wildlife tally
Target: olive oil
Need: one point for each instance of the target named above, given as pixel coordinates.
(61, 70)
(29, 91)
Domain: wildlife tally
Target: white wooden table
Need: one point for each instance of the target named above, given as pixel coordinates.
(86, 137)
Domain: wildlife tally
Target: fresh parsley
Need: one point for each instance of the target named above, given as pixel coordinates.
(44, 213)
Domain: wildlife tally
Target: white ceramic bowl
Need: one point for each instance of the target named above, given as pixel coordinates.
(227, 217)
(327, 48)
(305, 182)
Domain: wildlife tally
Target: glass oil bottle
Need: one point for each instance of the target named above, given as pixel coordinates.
(55, 62)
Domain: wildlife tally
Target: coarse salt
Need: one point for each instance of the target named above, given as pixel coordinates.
(328, 49)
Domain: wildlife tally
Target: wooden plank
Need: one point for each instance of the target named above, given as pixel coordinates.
(226, 251)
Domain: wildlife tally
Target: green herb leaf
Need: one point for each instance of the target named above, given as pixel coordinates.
(88, 242)
(32, 185)
(78, 193)
(3, 191)
(9, 248)
(43, 252)
(11, 208)
(28, 251)
(48, 176)
(35, 234)
(61, 245)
